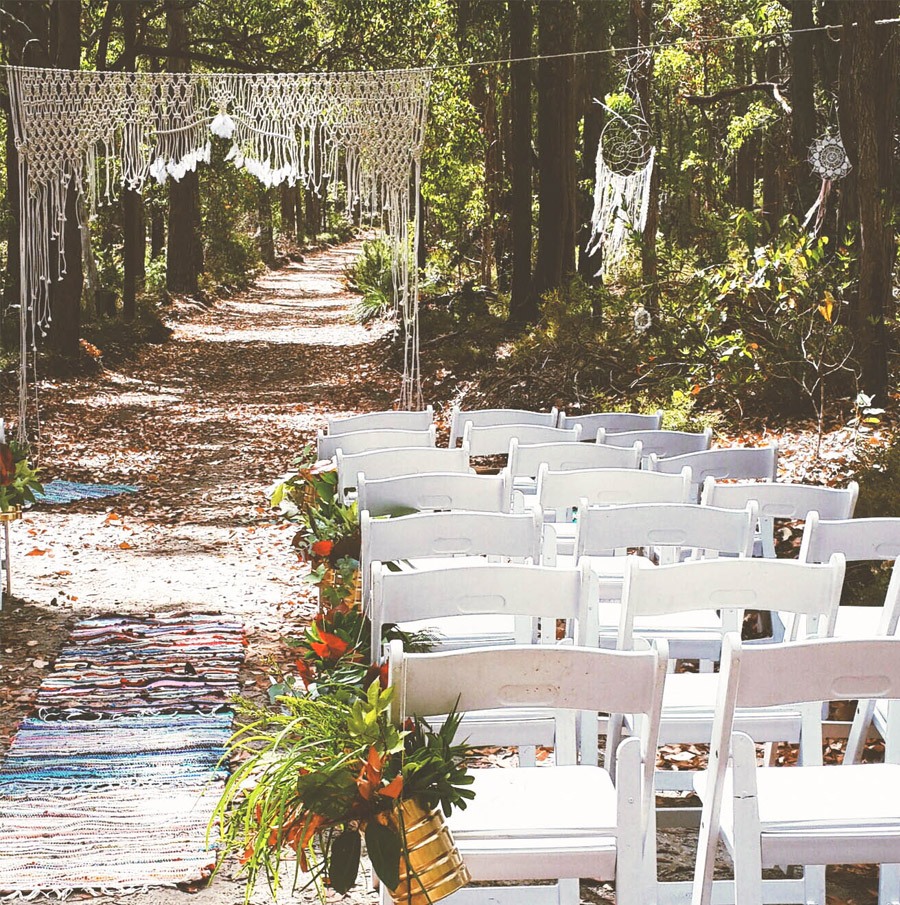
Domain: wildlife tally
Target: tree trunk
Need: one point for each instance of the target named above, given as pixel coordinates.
(772, 196)
(266, 233)
(595, 85)
(867, 128)
(157, 232)
(133, 240)
(556, 141)
(313, 214)
(641, 11)
(522, 303)
(66, 282)
(288, 201)
(184, 254)
(803, 105)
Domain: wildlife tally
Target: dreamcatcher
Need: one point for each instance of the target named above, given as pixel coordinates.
(625, 157)
(828, 159)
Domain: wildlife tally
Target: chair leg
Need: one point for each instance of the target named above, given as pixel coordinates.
(814, 884)
(568, 892)
(889, 884)
(630, 844)
(745, 809)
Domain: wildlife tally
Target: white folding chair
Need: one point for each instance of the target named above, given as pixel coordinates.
(485, 417)
(781, 500)
(666, 532)
(361, 441)
(377, 464)
(466, 606)
(388, 420)
(808, 814)
(494, 439)
(559, 493)
(433, 491)
(613, 422)
(427, 537)
(661, 442)
(735, 462)
(525, 459)
(810, 593)
(859, 539)
(556, 822)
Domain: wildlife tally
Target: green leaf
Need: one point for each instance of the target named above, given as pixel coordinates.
(345, 852)
(383, 844)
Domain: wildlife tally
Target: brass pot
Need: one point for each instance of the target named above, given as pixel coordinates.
(431, 866)
(11, 514)
(354, 593)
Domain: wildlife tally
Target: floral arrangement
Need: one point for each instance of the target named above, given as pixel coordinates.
(328, 771)
(18, 480)
(329, 536)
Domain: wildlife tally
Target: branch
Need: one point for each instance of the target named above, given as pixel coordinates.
(194, 55)
(704, 100)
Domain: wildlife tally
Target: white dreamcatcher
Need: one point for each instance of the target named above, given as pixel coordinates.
(829, 160)
(625, 157)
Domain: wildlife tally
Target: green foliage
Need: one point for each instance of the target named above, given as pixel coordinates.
(322, 769)
(18, 480)
(372, 275)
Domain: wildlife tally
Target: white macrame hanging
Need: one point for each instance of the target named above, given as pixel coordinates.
(625, 159)
(829, 159)
(95, 129)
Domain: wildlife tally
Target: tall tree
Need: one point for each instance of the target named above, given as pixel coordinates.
(184, 253)
(66, 283)
(803, 105)
(556, 145)
(134, 241)
(641, 22)
(869, 58)
(522, 302)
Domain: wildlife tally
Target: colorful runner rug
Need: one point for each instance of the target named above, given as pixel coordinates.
(70, 491)
(116, 791)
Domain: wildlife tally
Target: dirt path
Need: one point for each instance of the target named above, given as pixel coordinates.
(203, 425)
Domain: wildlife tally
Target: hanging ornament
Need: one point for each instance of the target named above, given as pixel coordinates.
(642, 319)
(625, 157)
(828, 158)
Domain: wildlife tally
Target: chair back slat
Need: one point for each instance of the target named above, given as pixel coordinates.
(486, 417)
(525, 459)
(388, 420)
(362, 441)
(736, 462)
(614, 422)
(377, 464)
(494, 439)
(661, 442)
(433, 491)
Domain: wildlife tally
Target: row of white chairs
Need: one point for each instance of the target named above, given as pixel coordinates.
(493, 440)
(422, 420)
(585, 820)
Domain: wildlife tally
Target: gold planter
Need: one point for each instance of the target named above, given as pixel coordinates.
(11, 514)
(431, 867)
(353, 596)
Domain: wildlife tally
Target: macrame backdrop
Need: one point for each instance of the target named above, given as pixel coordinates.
(97, 130)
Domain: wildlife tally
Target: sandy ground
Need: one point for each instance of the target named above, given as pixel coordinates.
(204, 424)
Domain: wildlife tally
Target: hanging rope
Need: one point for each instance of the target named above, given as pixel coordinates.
(97, 130)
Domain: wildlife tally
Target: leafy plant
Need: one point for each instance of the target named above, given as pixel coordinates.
(18, 480)
(372, 275)
(324, 772)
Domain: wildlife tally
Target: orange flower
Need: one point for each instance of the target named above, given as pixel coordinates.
(322, 547)
(393, 788)
(305, 672)
(330, 647)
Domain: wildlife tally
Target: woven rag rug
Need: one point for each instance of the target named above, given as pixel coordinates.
(112, 787)
(70, 491)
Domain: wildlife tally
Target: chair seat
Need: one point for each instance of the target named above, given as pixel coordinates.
(858, 621)
(519, 814)
(689, 702)
(466, 631)
(837, 804)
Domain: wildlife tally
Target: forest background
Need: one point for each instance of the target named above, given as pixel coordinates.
(750, 314)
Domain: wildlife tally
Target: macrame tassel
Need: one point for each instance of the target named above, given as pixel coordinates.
(621, 204)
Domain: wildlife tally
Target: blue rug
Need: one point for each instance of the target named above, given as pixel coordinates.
(70, 491)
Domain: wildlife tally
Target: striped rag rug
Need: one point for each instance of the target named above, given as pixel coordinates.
(112, 789)
(70, 491)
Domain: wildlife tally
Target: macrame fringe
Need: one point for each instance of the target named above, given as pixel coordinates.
(621, 203)
(90, 131)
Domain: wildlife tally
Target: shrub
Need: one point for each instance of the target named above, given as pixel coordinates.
(372, 275)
